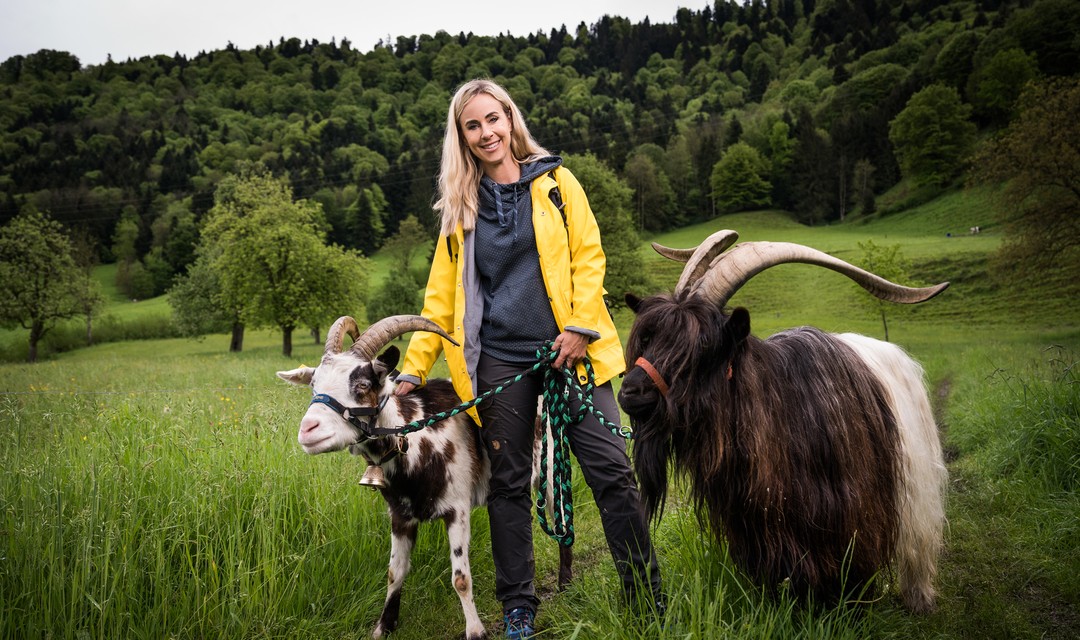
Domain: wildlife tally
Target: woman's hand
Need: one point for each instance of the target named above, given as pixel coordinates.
(404, 387)
(570, 346)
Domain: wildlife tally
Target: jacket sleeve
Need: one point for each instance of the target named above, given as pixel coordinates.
(424, 346)
(587, 260)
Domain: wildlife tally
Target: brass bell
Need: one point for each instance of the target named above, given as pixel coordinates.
(373, 477)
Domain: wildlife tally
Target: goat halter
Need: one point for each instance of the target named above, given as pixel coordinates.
(355, 416)
(653, 374)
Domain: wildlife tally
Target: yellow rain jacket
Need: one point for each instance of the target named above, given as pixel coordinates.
(573, 265)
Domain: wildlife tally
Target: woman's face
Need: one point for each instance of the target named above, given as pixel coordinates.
(486, 128)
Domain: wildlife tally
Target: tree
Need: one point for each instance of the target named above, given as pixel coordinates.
(781, 150)
(813, 192)
(610, 198)
(953, 64)
(739, 179)
(862, 179)
(36, 276)
(932, 135)
(87, 290)
(998, 83)
(653, 196)
(411, 242)
(269, 254)
(889, 263)
(197, 304)
(1037, 158)
(400, 293)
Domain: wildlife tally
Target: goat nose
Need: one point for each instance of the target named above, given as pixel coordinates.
(309, 424)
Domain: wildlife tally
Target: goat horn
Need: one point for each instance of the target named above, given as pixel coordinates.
(335, 338)
(699, 259)
(736, 267)
(382, 332)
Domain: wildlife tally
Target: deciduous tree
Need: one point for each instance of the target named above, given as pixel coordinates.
(1037, 158)
(889, 263)
(998, 83)
(609, 198)
(271, 258)
(38, 276)
(739, 179)
(932, 135)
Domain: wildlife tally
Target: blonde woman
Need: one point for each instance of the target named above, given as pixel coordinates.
(511, 273)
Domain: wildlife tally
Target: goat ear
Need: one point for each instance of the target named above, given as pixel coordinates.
(387, 360)
(300, 376)
(738, 325)
(632, 301)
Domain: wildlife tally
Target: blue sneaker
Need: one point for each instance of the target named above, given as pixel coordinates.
(519, 623)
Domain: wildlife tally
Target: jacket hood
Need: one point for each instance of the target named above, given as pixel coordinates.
(504, 200)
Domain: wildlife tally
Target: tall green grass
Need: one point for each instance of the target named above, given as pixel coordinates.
(155, 489)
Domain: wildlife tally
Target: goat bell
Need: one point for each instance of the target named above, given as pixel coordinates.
(373, 477)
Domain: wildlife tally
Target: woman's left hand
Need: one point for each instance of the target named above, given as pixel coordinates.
(570, 346)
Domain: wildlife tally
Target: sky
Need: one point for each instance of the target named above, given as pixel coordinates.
(94, 29)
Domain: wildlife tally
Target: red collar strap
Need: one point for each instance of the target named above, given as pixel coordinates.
(657, 379)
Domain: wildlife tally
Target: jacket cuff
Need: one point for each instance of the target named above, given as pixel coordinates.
(592, 335)
(404, 377)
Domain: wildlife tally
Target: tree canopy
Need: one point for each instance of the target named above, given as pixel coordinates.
(270, 257)
(1038, 159)
(932, 135)
(40, 283)
(133, 152)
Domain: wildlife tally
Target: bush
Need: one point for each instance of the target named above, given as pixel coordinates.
(72, 335)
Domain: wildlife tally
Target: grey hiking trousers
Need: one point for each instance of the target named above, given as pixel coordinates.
(507, 434)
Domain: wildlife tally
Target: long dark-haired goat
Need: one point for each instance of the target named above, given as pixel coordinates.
(816, 456)
(440, 472)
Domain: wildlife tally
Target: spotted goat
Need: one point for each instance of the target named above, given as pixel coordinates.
(437, 473)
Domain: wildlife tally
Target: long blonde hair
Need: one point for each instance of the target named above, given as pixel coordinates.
(459, 171)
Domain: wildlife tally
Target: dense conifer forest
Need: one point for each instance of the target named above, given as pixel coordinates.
(780, 103)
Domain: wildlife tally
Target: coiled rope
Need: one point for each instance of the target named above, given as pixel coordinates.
(559, 385)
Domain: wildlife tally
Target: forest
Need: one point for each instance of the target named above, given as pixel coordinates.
(787, 104)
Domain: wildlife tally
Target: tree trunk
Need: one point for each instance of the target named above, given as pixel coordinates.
(236, 344)
(89, 330)
(286, 341)
(884, 323)
(37, 330)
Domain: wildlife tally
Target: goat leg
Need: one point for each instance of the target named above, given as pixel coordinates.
(402, 540)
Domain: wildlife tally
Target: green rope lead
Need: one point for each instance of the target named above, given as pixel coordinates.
(556, 413)
(558, 416)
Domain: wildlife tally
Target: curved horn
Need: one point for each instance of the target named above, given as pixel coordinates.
(382, 332)
(699, 259)
(335, 338)
(748, 259)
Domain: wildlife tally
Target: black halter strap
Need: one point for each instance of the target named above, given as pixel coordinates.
(363, 418)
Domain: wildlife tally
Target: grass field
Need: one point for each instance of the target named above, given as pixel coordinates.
(154, 488)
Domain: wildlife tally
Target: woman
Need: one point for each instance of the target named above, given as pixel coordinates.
(509, 275)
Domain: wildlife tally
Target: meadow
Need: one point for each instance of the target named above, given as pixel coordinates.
(154, 488)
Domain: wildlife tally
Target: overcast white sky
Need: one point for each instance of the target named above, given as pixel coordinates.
(93, 29)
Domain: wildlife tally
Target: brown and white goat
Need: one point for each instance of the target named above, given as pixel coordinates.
(438, 473)
(816, 456)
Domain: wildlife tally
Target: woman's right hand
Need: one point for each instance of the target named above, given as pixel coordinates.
(404, 388)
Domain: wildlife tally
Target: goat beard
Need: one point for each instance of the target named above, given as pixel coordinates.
(670, 437)
(652, 451)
